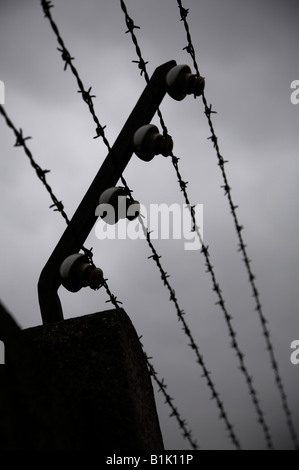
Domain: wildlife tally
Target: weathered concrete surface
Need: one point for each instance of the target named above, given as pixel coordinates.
(78, 384)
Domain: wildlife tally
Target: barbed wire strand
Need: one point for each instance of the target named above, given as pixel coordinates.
(59, 207)
(187, 434)
(199, 357)
(84, 91)
(242, 246)
(183, 185)
(66, 56)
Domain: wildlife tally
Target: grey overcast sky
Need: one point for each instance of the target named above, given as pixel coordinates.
(248, 53)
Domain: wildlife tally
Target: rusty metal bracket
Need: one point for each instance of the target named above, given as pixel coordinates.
(108, 175)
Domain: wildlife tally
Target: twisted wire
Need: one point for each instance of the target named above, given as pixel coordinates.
(100, 131)
(162, 387)
(42, 176)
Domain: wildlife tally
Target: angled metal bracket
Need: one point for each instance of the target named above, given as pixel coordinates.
(108, 175)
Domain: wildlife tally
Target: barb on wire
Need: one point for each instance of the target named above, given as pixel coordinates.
(210, 269)
(189, 48)
(141, 62)
(86, 94)
(241, 244)
(228, 318)
(112, 298)
(21, 142)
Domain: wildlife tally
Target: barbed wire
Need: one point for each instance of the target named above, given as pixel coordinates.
(189, 48)
(199, 357)
(242, 246)
(65, 56)
(59, 207)
(141, 62)
(210, 269)
(228, 318)
(187, 434)
(85, 93)
(41, 174)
